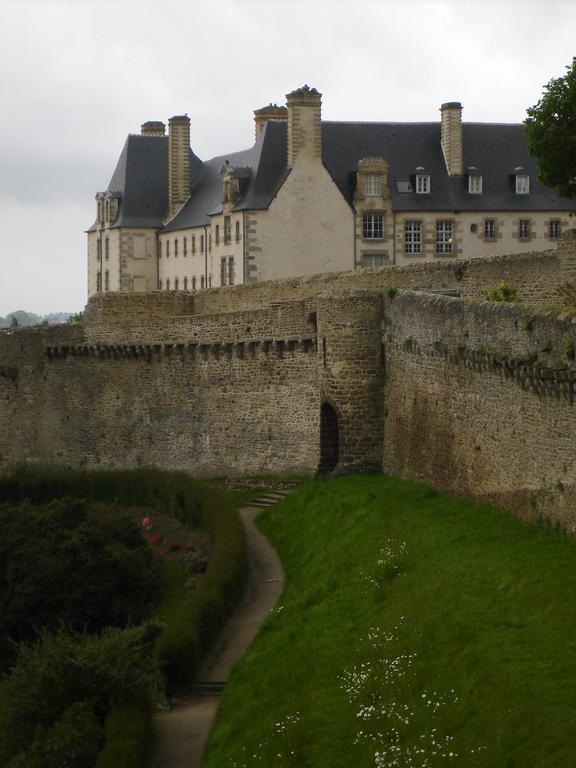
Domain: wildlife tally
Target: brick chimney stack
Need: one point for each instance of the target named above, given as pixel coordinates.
(178, 163)
(153, 128)
(451, 133)
(271, 112)
(304, 130)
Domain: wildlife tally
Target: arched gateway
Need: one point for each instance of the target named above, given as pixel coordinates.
(329, 439)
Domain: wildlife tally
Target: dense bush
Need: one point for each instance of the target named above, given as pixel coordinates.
(61, 688)
(128, 737)
(65, 563)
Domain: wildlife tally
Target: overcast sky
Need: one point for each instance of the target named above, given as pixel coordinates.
(77, 76)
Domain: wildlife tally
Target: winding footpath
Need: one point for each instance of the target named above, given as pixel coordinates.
(183, 731)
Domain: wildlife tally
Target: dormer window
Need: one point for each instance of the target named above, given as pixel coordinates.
(372, 185)
(422, 182)
(475, 184)
(522, 184)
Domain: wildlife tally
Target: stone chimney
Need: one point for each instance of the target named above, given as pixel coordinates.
(304, 131)
(452, 137)
(271, 112)
(178, 162)
(153, 128)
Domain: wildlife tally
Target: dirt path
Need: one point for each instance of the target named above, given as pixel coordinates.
(183, 731)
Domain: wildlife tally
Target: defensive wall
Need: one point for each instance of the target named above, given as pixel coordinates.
(471, 396)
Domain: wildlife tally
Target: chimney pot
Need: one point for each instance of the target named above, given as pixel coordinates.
(153, 128)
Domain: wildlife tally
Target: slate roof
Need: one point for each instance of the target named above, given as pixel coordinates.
(496, 150)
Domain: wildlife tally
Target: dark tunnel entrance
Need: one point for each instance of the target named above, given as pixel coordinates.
(329, 439)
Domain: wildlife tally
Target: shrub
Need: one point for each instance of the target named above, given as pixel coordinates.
(502, 292)
(67, 679)
(64, 563)
(128, 738)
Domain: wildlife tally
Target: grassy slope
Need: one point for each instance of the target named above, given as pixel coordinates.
(415, 629)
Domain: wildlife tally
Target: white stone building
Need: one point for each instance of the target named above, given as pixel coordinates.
(313, 196)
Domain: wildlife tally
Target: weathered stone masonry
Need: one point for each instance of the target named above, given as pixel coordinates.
(471, 396)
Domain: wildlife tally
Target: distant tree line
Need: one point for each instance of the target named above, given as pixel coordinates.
(23, 318)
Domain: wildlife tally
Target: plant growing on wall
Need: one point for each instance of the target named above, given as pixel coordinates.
(502, 292)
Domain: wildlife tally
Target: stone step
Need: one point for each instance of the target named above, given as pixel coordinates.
(207, 688)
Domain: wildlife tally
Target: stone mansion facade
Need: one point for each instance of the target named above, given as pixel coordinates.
(314, 197)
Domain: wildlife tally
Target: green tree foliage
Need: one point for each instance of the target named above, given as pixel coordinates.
(57, 695)
(551, 129)
(67, 563)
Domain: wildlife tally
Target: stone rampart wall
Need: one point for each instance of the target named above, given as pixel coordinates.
(479, 400)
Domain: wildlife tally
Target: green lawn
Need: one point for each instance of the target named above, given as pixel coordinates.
(416, 629)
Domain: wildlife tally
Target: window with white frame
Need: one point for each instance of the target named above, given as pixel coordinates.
(554, 229)
(475, 184)
(489, 229)
(524, 229)
(412, 236)
(373, 260)
(522, 184)
(422, 184)
(372, 185)
(444, 230)
(373, 226)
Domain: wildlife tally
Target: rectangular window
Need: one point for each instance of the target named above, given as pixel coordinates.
(231, 270)
(522, 184)
(202, 282)
(223, 271)
(176, 284)
(185, 246)
(176, 247)
(210, 242)
(167, 283)
(217, 234)
(412, 237)
(475, 184)
(554, 229)
(159, 285)
(489, 229)
(238, 231)
(193, 243)
(194, 283)
(185, 283)
(227, 229)
(106, 249)
(372, 185)
(99, 249)
(373, 226)
(444, 236)
(167, 248)
(106, 280)
(524, 229)
(422, 184)
(98, 282)
(373, 260)
(201, 243)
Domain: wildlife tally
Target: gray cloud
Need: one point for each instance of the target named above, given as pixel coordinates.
(77, 77)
